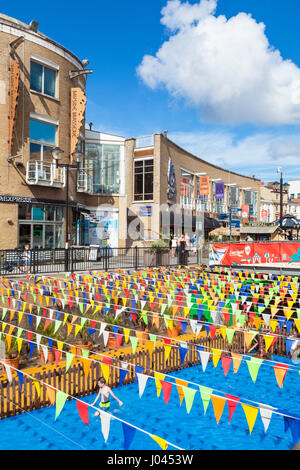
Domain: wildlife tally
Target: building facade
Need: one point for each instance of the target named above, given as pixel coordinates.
(42, 106)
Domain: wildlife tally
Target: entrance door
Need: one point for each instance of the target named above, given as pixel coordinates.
(37, 236)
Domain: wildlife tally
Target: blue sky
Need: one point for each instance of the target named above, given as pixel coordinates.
(225, 87)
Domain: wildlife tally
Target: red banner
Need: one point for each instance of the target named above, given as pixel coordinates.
(244, 214)
(254, 253)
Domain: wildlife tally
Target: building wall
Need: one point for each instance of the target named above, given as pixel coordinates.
(13, 178)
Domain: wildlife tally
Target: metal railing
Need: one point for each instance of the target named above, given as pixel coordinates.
(84, 181)
(45, 174)
(77, 259)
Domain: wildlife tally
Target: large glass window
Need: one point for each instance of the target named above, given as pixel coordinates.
(42, 140)
(42, 79)
(251, 201)
(143, 180)
(103, 166)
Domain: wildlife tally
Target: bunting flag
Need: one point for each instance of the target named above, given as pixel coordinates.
(216, 356)
(218, 405)
(232, 402)
(129, 433)
(266, 415)
(236, 360)
(161, 442)
(166, 388)
(280, 373)
(253, 366)
(158, 378)
(60, 401)
(105, 424)
(251, 414)
(142, 380)
(179, 384)
(205, 394)
(83, 410)
(189, 395)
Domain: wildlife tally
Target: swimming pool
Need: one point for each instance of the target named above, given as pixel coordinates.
(38, 430)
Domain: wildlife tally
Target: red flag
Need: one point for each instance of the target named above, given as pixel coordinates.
(119, 339)
(212, 330)
(57, 355)
(83, 410)
(106, 360)
(226, 361)
(167, 340)
(232, 402)
(166, 388)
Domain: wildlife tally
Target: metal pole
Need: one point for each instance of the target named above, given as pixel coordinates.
(281, 200)
(230, 223)
(67, 206)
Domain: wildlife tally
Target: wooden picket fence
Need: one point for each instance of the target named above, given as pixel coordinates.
(14, 401)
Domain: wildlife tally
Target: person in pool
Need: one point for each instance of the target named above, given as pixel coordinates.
(105, 392)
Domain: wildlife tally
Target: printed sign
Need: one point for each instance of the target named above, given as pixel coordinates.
(219, 190)
(171, 191)
(203, 182)
(145, 211)
(245, 214)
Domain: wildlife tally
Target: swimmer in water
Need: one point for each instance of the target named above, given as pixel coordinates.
(105, 391)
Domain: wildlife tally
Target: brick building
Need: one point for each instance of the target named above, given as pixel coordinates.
(42, 105)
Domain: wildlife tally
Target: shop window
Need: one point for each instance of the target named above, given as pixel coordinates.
(143, 180)
(24, 212)
(43, 79)
(59, 214)
(24, 235)
(49, 212)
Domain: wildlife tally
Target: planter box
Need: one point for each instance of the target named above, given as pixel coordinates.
(158, 258)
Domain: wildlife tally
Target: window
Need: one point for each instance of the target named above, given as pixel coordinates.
(143, 180)
(102, 164)
(42, 79)
(234, 196)
(41, 226)
(42, 140)
(251, 201)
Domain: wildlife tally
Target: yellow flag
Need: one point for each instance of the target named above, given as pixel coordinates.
(126, 334)
(19, 342)
(105, 371)
(248, 335)
(167, 351)
(158, 377)
(273, 324)
(216, 356)
(251, 414)
(38, 387)
(179, 384)
(86, 366)
(268, 341)
(161, 442)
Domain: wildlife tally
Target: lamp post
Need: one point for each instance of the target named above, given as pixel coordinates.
(56, 154)
(279, 170)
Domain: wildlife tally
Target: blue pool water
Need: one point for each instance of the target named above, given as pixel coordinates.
(38, 430)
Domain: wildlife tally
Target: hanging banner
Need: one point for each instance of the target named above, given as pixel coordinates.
(14, 80)
(254, 253)
(203, 189)
(78, 101)
(219, 190)
(244, 214)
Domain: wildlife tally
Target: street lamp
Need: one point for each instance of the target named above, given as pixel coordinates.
(77, 156)
(279, 170)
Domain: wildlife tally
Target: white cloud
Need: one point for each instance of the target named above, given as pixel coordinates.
(226, 68)
(259, 154)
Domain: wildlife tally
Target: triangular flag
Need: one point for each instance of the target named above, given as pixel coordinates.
(280, 373)
(253, 366)
(128, 432)
(251, 414)
(205, 393)
(61, 398)
(232, 402)
(166, 388)
(189, 395)
(161, 442)
(218, 404)
(105, 424)
(83, 410)
(266, 415)
(142, 380)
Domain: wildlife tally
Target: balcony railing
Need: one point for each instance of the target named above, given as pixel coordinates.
(45, 174)
(84, 181)
(144, 141)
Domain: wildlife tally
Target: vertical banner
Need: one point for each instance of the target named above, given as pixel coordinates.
(245, 214)
(14, 80)
(203, 186)
(78, 101)
(219, 190)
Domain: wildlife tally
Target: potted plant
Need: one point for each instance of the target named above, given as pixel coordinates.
(159, 253)
(48, 332)
(12, 357)
(83, 342)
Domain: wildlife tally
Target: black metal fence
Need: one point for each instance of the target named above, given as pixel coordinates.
(88, 258)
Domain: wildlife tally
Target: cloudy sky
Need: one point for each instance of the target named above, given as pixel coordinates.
(222, 76)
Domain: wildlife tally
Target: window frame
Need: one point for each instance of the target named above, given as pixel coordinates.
(143, 173)
(49, 65)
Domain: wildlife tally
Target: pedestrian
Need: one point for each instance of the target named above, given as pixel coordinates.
(26, 257)
(182, 250)
(174, 245)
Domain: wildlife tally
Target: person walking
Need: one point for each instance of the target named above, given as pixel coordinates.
(182, 250)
